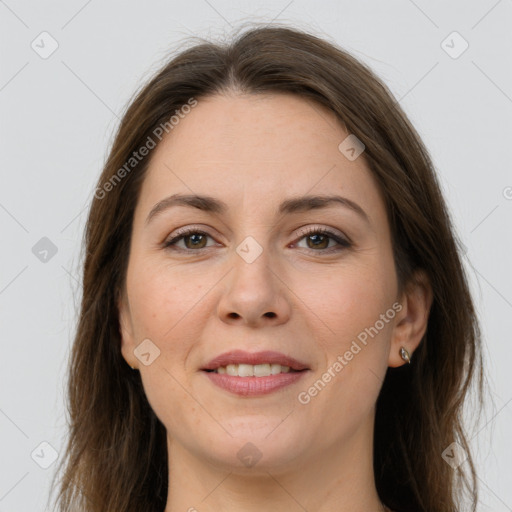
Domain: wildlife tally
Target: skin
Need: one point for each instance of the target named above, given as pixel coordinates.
(253, 151)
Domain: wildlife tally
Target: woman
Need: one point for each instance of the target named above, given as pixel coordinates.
(275, 313)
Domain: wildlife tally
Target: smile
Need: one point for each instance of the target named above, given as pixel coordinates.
(249, 386)
(253, 370)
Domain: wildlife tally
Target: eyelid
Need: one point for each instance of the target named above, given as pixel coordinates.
(342, 241)
(327, 229)
(180, 233)
(302, 230)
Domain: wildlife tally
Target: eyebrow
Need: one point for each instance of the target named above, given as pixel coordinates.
(288, 206)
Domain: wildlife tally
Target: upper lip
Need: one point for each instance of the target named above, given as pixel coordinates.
(242, 357)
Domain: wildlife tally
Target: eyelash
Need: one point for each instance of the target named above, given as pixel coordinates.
(342, 242)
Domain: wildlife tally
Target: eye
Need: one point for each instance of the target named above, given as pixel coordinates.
(192, 238)
(319, 238)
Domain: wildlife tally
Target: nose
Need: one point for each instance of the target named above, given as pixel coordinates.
(254, 293)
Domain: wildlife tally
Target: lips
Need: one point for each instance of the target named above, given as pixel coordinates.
(254, 358)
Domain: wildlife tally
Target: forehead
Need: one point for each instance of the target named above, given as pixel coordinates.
(261, 148)
(263, 126)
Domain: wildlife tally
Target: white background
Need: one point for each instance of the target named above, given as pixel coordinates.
(57, 118)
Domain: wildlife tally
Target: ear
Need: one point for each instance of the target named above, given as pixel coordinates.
(126, 330)
(412, 320)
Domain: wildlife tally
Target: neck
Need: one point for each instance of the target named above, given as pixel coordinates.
(340, 479)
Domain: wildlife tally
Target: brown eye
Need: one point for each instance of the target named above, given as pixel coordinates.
(197, 240)
(192, 240)
(318, 239)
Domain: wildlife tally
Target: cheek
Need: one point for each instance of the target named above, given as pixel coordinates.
(361, 316)
(355, 342)
(164, 307)
(344, 302)
(162, 300)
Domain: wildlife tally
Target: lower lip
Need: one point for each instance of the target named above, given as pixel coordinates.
(254, 386)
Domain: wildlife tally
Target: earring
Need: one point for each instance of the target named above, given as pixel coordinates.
(405, 355)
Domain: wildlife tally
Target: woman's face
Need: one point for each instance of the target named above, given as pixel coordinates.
(259, 275)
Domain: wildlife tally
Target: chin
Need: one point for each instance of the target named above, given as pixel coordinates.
(254, 451)
(250, 458)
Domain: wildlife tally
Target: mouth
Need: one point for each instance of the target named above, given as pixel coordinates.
(257, 370)
(252, 374)
(239, 363)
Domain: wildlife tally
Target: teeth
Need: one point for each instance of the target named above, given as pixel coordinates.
(249, 370)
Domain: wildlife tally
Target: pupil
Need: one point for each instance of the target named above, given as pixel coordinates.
(317, 242)
(193, 239)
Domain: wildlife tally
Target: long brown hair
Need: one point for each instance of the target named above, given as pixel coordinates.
(116, 457)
